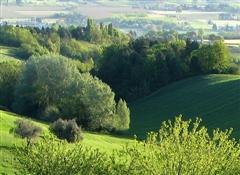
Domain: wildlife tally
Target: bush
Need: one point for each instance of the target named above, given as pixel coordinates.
(26, 129)
(181, 147)
(49, 157)
(66, 129)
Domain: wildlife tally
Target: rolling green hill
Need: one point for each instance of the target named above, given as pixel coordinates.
(214, 98)
(7, 141)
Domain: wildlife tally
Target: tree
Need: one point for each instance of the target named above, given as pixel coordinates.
(91, 102)
(26, 129)
(123, 114)
(66, 129)
(43, 83)
(211, 58)
(52, 86)
(10, 71)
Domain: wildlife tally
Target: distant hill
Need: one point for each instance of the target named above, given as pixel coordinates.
(214, 98)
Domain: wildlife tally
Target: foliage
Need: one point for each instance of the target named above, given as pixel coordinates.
(66, 129)
(26, 129)
(59, 158)
(145, 65)
(9, 77)
(80, 50)
(42, 83)
(22, 38)
(211, 58)
(180, 147)
(92, 102)
(123, 114)
(52, 85)
(68, 41)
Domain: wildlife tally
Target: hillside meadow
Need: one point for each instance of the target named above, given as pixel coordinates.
(105, 143)
(214, 98)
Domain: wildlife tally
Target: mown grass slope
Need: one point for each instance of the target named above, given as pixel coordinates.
(8, 52)
(214, 98)
(8, 163)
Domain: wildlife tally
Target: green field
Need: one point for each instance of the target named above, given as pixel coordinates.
(103, 142)
(214, 98)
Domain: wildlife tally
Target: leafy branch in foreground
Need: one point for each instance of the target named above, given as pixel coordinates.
(180, 147)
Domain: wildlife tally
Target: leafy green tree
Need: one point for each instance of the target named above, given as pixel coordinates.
(123, 113)
(91, 101)
(211, 58)
(43, 83)
(10, 71)
(52, 86)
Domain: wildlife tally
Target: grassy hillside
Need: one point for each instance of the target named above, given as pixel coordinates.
(7, 141)
(7, 52)
(214, 98)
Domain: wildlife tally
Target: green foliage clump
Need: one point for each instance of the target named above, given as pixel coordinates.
(52, 86)
(80, 50)
(22, 38)
(42, 83)
(66, 129)
(123, 114)
(10, 71)
(51, 157)
(213, 58)
(26, 129)
(144, 65)
(180, 147)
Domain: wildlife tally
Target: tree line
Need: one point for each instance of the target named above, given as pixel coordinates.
(52, 87)
(61, 40)
(144, 65)
(88, 72)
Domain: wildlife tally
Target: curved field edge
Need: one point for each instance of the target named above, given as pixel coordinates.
(214, 98)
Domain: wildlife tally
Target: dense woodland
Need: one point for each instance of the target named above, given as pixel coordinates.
(75, 72)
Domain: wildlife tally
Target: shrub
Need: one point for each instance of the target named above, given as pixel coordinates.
(66, 129)
(181, 147)
(49, 157)
(26, 129)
